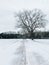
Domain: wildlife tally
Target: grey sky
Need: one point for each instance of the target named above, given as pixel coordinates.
(8, 7)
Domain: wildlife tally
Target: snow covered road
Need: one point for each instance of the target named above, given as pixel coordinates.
(35, 52)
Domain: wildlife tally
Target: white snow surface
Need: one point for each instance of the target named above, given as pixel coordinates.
(36, 51)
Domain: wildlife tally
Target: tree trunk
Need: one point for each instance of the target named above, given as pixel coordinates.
(32, 35)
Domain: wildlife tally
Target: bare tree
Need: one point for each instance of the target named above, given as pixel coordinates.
(29, 21)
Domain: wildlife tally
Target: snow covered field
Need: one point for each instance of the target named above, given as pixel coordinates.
(24, 52)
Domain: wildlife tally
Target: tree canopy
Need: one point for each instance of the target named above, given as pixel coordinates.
(30, 20)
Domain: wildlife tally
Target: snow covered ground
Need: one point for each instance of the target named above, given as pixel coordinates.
(24, 52)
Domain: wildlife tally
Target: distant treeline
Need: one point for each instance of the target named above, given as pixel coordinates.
(41, 35)
(9, 36)
(36, 35)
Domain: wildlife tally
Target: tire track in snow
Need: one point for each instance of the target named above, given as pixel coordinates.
(21, 54)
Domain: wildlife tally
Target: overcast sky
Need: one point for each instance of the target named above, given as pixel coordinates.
(8, 7)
